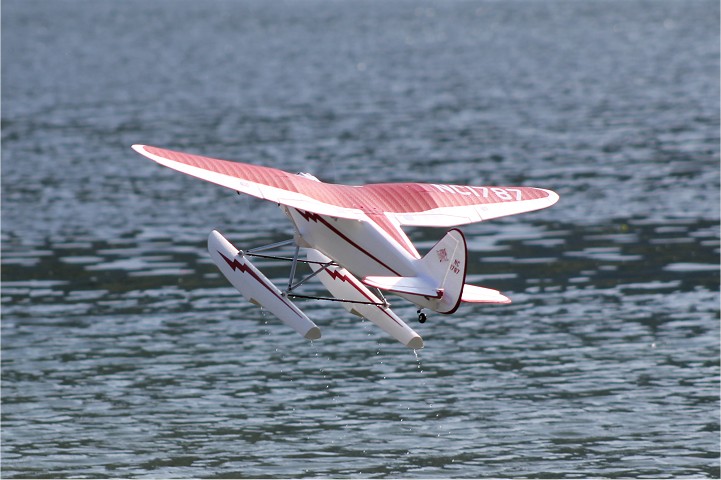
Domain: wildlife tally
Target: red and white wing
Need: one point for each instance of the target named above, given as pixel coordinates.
(436, 205)
(390, 205)
(262, 182)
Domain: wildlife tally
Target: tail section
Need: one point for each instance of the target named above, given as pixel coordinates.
(440, 285)
(452, 274)
(445, 263)
(442, 273)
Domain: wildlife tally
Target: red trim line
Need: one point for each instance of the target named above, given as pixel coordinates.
(308, 216)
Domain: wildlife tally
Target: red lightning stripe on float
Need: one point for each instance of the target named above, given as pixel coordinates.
(336, 275)
(236, 265)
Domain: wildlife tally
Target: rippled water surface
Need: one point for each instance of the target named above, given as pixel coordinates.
(125, 354)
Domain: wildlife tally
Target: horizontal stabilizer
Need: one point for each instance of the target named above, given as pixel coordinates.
(408, 285)
(475, 294)
(256, 287)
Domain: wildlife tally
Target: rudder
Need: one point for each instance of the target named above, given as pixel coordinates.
(445, 264)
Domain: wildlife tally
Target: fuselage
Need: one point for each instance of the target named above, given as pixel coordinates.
(362, 247)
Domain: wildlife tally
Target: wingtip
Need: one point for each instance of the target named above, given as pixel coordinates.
(553, 197)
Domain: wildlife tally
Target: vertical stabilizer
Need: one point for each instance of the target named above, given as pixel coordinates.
(441, 275)
(445, 263)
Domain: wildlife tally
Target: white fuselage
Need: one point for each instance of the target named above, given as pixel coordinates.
(362, 247)
(370, 253)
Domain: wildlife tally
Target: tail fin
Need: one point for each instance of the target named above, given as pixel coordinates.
(440, 284)
(445, 263)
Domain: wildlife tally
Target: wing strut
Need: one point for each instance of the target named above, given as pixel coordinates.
(295, 259)
(292, 269)
(333, 299)
(270, 247)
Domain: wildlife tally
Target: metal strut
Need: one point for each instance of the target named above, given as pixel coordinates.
(253, 253)
(270, 247)
(287, 259)
(303, 280)
(295, 260)
(332, 299)
(292, 268)
(385, 303)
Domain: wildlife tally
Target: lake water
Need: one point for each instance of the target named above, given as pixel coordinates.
(125, 354)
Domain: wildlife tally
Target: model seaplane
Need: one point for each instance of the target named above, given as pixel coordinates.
(353, 240)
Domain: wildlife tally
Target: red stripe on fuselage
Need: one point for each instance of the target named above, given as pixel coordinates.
(310, 216)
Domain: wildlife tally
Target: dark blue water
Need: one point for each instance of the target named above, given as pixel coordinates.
(125, 354)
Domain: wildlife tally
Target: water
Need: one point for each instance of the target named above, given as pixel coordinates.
(125, 354)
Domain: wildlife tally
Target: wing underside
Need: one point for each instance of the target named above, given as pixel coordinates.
(454, 216)
(261, 182)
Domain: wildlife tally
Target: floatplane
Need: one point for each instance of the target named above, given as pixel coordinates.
(352, 239)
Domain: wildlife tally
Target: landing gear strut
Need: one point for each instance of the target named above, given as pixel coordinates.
(421, 317)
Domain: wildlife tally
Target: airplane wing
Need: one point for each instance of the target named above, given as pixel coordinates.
(440, 205)
(261, 182)
(390, 205)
